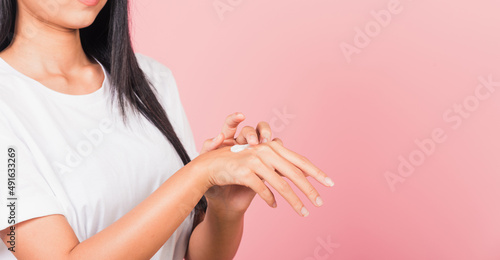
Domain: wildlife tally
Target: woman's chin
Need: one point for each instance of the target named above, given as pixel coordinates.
(79, 23)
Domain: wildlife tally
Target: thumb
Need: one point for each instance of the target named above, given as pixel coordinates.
(212, 144)
(216, 142)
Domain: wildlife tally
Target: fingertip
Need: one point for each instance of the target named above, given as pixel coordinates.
(239, 115)
(217, 137)
(329, 181)
(304, 212)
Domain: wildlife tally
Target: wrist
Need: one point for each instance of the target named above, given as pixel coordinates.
(201, 172)
(220, 211)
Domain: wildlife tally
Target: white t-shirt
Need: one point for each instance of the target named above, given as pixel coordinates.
(75, 157)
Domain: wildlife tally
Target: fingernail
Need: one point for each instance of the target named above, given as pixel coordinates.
(264, 140)
(304, 212)
(274, 205)
(329, 181)
(217, 137)
(319, 201)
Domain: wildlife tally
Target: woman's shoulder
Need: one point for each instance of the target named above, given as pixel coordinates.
(9, 85)
(152, 67)
(159, 75)
(7, 77)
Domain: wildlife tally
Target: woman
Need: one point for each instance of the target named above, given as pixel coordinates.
(91, 178)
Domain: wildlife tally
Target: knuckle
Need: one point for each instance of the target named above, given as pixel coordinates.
(311, 191)
(265, 191)
(247, 128)
(253, 154)
(253, 159)
(304, 160)
(270, 144)
(254, 151)
(263, 147)
(243, 173)
(275, 142)
(297, 173)
(283, 186)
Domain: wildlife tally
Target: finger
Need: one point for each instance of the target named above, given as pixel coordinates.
(212, 144)
(205, 146)
(248, 135)
(280, 185)
(229, 142)
(264, 132)
(278, 140)
(286, 169)
(302, 163)
(216, 142)
(231, 124)
(253, 182)
(284, 175)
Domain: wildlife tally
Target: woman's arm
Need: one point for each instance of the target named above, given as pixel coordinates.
(139, 234)
(217, 237)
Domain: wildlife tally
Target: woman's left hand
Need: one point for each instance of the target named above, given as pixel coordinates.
(234, 199)
(248, 134)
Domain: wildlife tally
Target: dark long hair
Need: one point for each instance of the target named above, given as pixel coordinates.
(108, 41)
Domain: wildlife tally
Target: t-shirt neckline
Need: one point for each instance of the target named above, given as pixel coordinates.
(86, 98)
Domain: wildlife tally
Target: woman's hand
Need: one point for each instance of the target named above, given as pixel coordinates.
(248, 134)
(227, 174)
(234, 198)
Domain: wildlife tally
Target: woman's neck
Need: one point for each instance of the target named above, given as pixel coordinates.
(44, 46)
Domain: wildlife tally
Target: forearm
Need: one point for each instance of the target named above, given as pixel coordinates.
(217, 237)
(142, 231)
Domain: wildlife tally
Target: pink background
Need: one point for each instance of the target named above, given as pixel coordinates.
(352, 119)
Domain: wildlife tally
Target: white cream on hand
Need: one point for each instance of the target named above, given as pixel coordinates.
(239, 147)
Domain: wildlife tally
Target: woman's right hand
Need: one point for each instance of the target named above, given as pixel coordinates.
(251, 167)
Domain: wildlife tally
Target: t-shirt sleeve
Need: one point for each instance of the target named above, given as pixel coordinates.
(24, 192)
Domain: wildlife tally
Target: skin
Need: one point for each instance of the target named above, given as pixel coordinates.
(47, 45)
(47, 48)
(220, 233)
